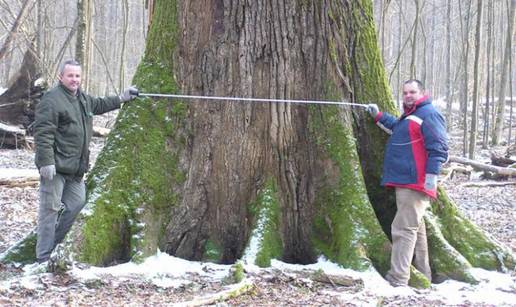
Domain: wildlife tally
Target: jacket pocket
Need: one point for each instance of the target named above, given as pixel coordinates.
(67, 161)
(400, 167)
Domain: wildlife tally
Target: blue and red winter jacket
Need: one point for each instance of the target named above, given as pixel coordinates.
(418, 146)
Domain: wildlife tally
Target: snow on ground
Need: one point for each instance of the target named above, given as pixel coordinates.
(2, 90)
(165, 271)
(161, 269)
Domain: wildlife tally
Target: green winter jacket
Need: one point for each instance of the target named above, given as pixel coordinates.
(63, 128)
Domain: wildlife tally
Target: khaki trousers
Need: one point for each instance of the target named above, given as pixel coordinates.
(409, 241)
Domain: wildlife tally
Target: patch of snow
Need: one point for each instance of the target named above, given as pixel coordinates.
(494, 287)
(2, 90)
(160, 269)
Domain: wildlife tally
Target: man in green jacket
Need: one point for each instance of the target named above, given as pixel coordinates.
(62, 132)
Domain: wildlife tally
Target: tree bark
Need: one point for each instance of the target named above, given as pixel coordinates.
(202, 180)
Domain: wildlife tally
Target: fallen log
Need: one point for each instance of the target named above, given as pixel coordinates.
(481, 184)
(504, 171)
(334, 280)
(12, 177)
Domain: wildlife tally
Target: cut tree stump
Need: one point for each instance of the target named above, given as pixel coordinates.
(502, 161)
(13, 137)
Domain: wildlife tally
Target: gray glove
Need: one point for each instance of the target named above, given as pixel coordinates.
(129, 93)
(430, 182)
(48, 171)
(373, 109)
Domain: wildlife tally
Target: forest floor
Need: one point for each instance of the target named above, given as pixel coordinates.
(163, 280)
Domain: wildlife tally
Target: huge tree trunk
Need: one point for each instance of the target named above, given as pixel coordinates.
(202, 179)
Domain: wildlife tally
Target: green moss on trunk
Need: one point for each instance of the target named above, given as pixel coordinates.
(444, 259)
(468, 239)
(345, 228)
(265, 234)
(131, 186)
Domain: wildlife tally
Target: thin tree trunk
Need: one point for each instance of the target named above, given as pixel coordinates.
(449, 100)
(400, 50)
(465, 93)
(511, 99)
(413, 58)
(430, 79)
(489, 46)
(83, 39)
(476, 84)
(125, 27)
(500, 114)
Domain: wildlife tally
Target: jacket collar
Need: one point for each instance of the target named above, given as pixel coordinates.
(420, 102)
(68, 92)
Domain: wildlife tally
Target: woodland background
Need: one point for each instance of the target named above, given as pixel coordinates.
(462, 51)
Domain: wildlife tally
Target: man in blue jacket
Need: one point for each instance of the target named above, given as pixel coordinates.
(413, 157)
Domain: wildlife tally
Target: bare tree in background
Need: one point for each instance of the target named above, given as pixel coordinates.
(413, 58)
(83, 39)
(449, 98)
(465, 85)
(476, 83)
(489, 75)
(500, 114)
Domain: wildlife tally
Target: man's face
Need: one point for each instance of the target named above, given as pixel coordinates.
(411, 94)
(71, 77)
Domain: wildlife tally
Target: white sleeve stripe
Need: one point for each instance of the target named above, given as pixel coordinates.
(416, 119)
(389, 131)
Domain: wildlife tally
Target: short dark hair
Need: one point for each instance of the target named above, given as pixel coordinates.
(67, 62)
(419, 84)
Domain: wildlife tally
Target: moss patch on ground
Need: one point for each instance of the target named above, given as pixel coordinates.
(23, 252)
